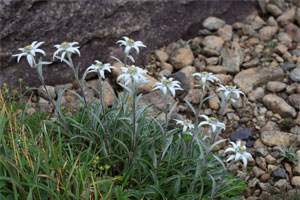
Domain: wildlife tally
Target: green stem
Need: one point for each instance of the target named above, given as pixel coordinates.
(104, 114)
(165, 130)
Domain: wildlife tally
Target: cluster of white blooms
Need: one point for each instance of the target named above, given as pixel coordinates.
(100, 68)
(29, 51)
(134, 76)
(167, 85)
(239, 151)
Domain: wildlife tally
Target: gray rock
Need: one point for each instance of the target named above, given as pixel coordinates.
(279, 105)
(257, 94)
(296, 52)
(284, 38)
(225, 33)
(161, 55)
(282, 184)
(297, 16)
(267, 32)
(250, 78)
(273, 9)
(241, 134)
(232, 58)
(293, 31)
(296, 181)
(276, 86)
(276, 138)
(258, 172)
(97, 26)
(286, 17)
(251, 63)
(213, 23)
(294, 100)
(288, 66)
(279, 173)
(213, 42)
(279, 3)
(295, 74)
(182, 57)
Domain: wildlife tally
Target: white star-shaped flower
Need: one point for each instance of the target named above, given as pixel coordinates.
(212, 122)
(229, 90)
(239, 151)
(66, 48)
(100, 68)
(205, 76)
(130, 43)
(133, 74)
(167, 85)
(29, 51)
(187, 125)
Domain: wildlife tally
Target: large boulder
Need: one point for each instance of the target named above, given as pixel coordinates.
(97, 25)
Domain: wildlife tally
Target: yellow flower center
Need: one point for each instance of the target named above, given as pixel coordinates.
(213, 119)
(241, 149)
(130, 41)
(167, 81)
(107, 167)
(99, 64)
(101, 168)
(132, 69)
(187, 121)
(27, 48)
(64, 44)
(204, 73)
(231, 87)
(4, 84)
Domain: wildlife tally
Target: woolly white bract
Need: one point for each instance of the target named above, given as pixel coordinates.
(187, 125)
(239, 151)
(212, 122)
(229, 90)
(130, 43)
(29, 51)
(133, 74)
(166, 85)
(66, 48)
(100, 68)
(205, 76)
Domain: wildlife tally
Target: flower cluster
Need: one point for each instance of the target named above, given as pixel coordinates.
(167, 85)
(29, 51)
(239, 151)
(100, 68)
(67, 49)
(187, 124)
(229, 90)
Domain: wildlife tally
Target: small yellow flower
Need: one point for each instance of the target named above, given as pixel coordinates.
(6, 90)
(81, 106)
(62, 108)
(97, 158)
(27, 48)
(27, 88)
(15, 91)
(64, 44)
(213, 119)
(107, 167)
(4, 84)
(20, 80)
(101, 168)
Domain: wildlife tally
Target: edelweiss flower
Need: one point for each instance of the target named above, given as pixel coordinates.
(100, 68)
(29, 51)
(130, 43)
(230, 90)
(205, 76)
(166, 85)
(187, 125)
(133, 74)
(66, 48)
(240, 153)
(212, 122)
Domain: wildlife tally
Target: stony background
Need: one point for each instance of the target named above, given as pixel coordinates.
(97, 25)
(261, 55)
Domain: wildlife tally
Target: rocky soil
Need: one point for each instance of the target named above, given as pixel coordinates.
(260, 55)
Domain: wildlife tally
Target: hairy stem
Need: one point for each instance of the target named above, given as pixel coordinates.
(104, 114)
(165, 130)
